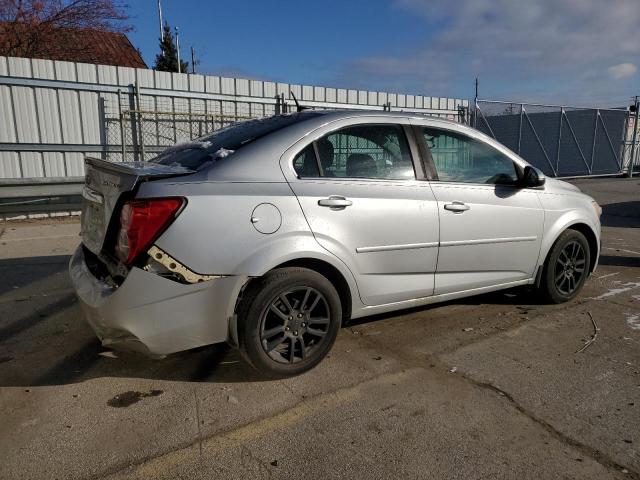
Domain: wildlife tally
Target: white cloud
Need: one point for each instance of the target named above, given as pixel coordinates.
(622, 70)
(549, 50)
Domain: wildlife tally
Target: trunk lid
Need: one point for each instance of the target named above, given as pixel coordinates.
(105, 184)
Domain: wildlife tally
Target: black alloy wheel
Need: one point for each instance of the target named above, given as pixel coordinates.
(288, 321)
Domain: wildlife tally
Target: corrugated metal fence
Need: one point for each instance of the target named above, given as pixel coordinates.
(563, 141)
(53, 113)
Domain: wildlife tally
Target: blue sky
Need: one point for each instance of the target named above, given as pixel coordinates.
(569, 51)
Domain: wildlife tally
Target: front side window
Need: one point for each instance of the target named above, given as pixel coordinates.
(366, 151)
(459, 158)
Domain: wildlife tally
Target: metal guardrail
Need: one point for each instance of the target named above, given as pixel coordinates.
(25, 196)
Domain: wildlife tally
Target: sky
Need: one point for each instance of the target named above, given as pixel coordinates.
(572, 52)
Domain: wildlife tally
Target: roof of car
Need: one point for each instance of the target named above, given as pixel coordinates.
(321, 116)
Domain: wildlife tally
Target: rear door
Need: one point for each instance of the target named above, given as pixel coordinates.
(358, 188)
(490, 228)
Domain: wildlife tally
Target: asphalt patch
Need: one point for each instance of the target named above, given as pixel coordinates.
(127, 399)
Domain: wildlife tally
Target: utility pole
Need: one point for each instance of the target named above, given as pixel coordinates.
(178, 49)
(193, 60)
(160, 18)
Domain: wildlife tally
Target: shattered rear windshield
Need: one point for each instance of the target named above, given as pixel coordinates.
(225, 141)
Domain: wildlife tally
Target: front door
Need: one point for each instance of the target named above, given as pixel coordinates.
(490, 228)
(360, 195)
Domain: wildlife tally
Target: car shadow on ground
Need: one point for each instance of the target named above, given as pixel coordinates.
(621, 215)
(524, 297)
(619, 261)
(44, 339)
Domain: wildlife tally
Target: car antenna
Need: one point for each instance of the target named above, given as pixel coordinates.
(298, 107)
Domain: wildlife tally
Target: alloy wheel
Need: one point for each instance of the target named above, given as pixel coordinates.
(294, 324)
(570, 268)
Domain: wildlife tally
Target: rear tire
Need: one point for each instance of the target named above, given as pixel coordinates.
(288, 321)
(567, 267)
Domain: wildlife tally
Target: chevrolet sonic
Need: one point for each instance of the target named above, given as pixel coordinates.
(270, 233)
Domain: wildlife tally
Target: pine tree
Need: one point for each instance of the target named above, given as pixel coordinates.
(167, 59)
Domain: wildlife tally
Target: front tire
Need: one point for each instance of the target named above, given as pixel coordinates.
(288, 321)
(567, 267)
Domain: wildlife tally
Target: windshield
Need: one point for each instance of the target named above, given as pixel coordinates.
(225, 141)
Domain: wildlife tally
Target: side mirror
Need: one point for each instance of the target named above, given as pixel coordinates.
(532, 177)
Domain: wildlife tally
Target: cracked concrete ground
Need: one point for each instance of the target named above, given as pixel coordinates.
(487, 387)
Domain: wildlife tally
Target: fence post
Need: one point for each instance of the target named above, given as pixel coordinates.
(140, 126)
(559, 141)
(120, 114)
(462, 114)
(520, 127)
(475, 105)
(593, 144)
(475, 113)
(634, 142)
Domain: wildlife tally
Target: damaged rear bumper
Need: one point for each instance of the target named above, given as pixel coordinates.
(152, 314)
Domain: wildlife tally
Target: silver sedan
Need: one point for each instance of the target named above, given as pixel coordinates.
(270, 233)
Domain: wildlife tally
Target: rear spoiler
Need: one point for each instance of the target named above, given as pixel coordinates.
(138, 169)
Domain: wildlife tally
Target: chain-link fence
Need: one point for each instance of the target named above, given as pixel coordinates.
(138, 127)
(561, 141)
(143, 127)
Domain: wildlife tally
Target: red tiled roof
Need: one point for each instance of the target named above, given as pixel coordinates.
(78, 45)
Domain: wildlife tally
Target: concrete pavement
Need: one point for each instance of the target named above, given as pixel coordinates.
(487, 387)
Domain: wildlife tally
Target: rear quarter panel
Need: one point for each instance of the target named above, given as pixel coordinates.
(214, 234)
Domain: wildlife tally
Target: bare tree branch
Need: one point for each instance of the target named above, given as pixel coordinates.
(28, 27)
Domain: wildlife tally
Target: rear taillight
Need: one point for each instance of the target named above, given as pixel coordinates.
(141, 222)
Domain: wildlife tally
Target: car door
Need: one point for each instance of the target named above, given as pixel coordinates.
(358, 190)
(490, 228)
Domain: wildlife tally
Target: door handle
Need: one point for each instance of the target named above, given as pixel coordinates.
(457, 207)
(335, 201)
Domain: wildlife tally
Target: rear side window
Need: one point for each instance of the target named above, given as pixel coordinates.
(361, 151)
(366, 151)
(305, 163)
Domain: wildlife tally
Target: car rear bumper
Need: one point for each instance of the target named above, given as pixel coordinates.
(155, 315)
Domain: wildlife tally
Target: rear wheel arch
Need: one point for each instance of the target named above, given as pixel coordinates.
(332, 274)
(341, 278)
(279, 346)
